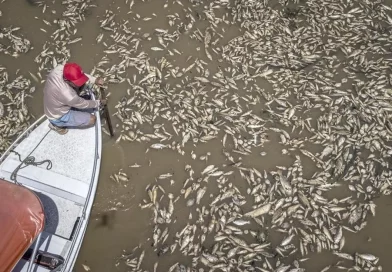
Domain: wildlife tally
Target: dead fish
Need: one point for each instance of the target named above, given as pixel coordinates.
(158, 146)
(208, 169)
(240, 222)
(259, 211)
(1, 110)
(200, 194)
(34, 77)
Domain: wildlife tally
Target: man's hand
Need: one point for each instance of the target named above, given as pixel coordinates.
(103, 102)
(99, 81)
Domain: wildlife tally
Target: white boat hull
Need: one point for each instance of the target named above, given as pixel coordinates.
(67, 190)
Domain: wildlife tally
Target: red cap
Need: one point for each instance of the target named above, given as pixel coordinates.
(74, 73)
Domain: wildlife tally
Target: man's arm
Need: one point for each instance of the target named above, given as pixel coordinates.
(91, 78)
(95, 80)
(80, 103)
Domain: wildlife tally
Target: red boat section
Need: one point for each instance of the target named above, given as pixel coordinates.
(21, 221)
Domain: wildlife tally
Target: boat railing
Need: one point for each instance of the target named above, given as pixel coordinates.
(32, 259)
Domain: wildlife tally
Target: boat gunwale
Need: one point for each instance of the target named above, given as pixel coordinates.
(74, 252)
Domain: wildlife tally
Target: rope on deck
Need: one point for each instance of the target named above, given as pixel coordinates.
(29, 160)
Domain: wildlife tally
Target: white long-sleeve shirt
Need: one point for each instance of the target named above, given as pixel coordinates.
(59, 96)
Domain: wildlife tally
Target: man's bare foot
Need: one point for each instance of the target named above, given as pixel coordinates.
(59, 130)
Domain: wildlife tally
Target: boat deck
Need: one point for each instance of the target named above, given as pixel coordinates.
(60, 214)
(67, 178)
(63, 189)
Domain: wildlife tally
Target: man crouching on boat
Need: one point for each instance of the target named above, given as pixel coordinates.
(62, 104)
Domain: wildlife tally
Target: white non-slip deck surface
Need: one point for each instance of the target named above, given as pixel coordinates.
(60, 214)
(72, 157)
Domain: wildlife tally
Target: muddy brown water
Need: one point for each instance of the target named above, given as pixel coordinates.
(117, 224)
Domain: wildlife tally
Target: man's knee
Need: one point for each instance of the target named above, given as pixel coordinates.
(93, 119)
